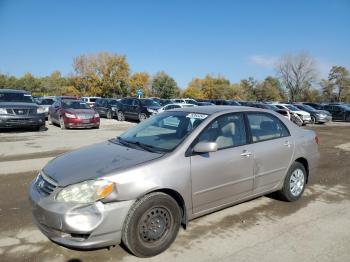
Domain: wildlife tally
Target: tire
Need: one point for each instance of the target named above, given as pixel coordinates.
(142, 117)
(151, 225)
(297, 173)
(120, 116)
(109, 114)
(49, 120)
(313, 120)
(62, 125)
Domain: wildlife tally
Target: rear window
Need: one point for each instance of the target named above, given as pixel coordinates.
(16, 97)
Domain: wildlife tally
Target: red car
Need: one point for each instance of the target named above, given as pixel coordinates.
(72, 113)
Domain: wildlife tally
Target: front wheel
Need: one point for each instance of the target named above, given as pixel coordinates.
(151, 225)
(109, 114)
(120, 116)
(294, 183)
(142, 117)
(313, 120)
(62, 124)
(49, 119)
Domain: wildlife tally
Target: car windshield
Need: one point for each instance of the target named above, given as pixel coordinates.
(16, 97)
(75, 104)
(307, 107)
(149, 102)
(293, 108)
(113, 102)
(163, 132)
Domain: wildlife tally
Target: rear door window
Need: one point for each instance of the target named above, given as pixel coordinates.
(265, 126)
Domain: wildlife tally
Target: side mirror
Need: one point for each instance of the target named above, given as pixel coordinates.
(205, 147)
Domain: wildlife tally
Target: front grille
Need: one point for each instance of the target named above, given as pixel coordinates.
(44, 185)
(21, 112)
(85, 116)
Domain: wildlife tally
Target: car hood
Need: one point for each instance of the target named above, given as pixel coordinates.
(94, 162)
(300, 112)
(18, 105)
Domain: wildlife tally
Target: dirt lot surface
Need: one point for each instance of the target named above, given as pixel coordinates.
(316, 228)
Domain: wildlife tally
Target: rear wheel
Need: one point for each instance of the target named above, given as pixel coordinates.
(294, 183)
(120, 116)
(313, 120)
(62, 125)
(151, 225)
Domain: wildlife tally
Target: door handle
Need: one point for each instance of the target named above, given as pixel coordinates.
(287, 143)
(246, 153)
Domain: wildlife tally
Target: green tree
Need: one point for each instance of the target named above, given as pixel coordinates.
(269, 90)
(339, 78)
(164, 86)
(248, 86)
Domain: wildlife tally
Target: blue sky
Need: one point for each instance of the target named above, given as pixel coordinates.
(186, 39)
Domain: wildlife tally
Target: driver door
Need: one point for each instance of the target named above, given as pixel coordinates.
(224, 176)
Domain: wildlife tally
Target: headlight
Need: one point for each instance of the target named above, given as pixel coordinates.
(69, 115)
(151, 110)
(86, 192)
(114, 108)
(3, 111)
(96, 115)
(40, 110)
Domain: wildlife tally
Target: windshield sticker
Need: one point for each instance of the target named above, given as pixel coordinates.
(197, 116)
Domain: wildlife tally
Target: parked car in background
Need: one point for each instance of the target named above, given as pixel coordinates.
(18, 110)
(317, 116)
(174, 106)
(107, 107)
(283, 112)
(314, 105)
(222, 102)
(190, 101)
(205, 104)
(338, 111)
(174, 167)
(45, 102)
(90, 100)
(73, 113)
(137, 109)
(304, 116)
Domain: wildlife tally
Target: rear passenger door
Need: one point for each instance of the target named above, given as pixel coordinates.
(272, 148)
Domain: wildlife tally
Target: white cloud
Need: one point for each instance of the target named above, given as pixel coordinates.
(263, 60)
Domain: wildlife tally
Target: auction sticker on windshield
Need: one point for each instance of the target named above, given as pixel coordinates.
(197, 116)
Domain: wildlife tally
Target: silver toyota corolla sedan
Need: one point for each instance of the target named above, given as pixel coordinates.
(178, 165)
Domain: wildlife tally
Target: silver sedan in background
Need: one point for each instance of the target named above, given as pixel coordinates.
(178, 165)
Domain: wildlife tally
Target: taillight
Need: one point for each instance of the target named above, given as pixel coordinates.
(317, 140)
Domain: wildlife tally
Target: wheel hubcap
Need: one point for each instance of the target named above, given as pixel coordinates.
(142, 117)
(154, 225)
(296, 182)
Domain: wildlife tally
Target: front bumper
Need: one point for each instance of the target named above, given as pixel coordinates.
(81, 123)
(15, 121)
(78, 226)
(325, 119)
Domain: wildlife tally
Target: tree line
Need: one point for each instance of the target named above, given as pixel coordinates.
(109, 75)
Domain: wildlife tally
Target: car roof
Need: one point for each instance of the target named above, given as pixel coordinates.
(209, 110)
(14, 91)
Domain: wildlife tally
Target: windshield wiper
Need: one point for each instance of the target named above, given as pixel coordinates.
(145, 147)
